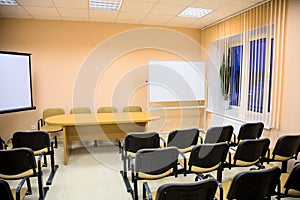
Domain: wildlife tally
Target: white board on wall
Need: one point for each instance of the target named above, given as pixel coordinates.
(176, 81)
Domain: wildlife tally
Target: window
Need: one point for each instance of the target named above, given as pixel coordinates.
(236, 61)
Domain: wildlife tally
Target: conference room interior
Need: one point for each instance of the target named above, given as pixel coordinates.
(86, 63)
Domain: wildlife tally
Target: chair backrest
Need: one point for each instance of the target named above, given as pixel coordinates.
(156, 161)
(80, 110)
(132, 109)
(183, 138)
(52, 112)
(286, 145)
(202, 190)
(293, 181)
(16, 161)
(34, 140)
(107, 109)
(251, 131)
(137, 141)
(219, 134)
(255, 184)
(5, 192)
(208, 155)
(251, 150)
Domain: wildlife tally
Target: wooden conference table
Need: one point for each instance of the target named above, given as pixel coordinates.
(101, 126)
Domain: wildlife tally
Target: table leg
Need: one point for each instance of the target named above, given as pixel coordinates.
(67, 146)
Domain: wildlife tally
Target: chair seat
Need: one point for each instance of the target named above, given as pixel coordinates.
(17, 176)
(291, 192)
(153, 177)
(240, 163)
(279, 158)
(51, 129)
(44, 150)
(22, 193)
(198, 169)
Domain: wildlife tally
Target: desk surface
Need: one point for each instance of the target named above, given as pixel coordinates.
(100, 118)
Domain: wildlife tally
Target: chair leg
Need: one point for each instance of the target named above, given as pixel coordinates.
(45, 161)
(42, 190)
(219, 175)
(53, 169)
(29, 191)
(284, 166)
(136, 196)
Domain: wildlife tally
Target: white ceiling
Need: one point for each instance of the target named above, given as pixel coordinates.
(145, 12)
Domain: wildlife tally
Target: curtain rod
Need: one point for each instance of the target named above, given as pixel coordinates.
(235, 14)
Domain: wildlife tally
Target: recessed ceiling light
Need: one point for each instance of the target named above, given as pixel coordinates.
(8, 2)
(194, 12)
(105, 4)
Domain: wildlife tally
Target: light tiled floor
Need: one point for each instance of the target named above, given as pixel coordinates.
(93, 172)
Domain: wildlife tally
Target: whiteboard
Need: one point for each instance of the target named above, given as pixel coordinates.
(176, 81)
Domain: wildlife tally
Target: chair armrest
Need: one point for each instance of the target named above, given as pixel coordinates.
(7, 142)
(163, 141)
(146, 191)
(121, 149)
(39, 163)
(131, 163)
(200, 176)
(184, 162)
(18, 190)
(40, 123)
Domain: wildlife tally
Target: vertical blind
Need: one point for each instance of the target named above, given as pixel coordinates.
(252, 44)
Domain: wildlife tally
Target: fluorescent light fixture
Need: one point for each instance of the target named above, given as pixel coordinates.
(105, 4)
(194, 12)
(8, 2)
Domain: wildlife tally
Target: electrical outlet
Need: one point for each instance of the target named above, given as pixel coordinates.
(167, 121)
(32, 127)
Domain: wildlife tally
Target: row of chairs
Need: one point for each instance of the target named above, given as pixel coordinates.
(25, 158)
(204, 157)
(255, 184)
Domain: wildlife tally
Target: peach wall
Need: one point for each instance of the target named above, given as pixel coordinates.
(290, 106)
(59, 49)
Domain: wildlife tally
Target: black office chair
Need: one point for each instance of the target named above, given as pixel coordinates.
(153, 164)
(183, 139)
(206, 158)
(286, 148)
(218, 134)
(253, 185)
(290, 182)
(201, 190)
(249, 131)
(6, 193)
(20, 163)
(40, 143)
(132, 143)
(2, 144)
(249, 152)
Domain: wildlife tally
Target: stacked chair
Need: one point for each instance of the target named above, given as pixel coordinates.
(21, 164)
(107, 109)
(248, 131)
(290, 183)
(12, 194)
(286, 148)
(132, 109)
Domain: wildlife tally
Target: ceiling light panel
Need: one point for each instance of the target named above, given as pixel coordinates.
(8, 2)
(105, 4)
(194, 12)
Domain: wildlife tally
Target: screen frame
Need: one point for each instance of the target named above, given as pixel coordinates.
(19, 109)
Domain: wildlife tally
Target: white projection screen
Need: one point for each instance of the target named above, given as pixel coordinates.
(15, 82)
(176, 81)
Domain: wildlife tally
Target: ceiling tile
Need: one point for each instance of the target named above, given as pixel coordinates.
(102, 15)
(160, 19)
(137, 6)
(126, 17)
(43, 13)
(211, 4)
(12, 10)
(174, 2)
(17, 16)
(167, 9)
(73, 12)
(40, 3)
(71, 3)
